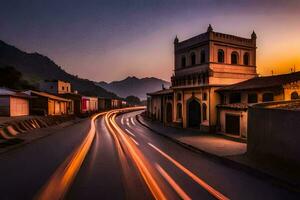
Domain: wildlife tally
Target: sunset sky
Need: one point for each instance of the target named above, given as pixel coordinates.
(109, 40)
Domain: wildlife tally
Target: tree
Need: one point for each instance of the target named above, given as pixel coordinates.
(133, 100)
(11, 78)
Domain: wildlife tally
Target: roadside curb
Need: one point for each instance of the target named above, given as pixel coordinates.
(228, 162)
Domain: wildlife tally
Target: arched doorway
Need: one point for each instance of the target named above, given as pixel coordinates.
(169, 112)
(294, 95)
(193, 114)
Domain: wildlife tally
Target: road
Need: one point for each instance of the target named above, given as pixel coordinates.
(115, 157)
(178, 172)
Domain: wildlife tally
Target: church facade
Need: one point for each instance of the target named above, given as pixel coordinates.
(203, 66)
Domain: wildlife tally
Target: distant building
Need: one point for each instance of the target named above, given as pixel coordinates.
(89, 104)
(13, 103)
(214, 81)
(55, 86)
(104, 103)
(44, 103)
(116, 103)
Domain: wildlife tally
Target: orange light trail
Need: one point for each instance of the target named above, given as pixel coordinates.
(175, 186)
(59, 183)
(203, 184)
(135, 154)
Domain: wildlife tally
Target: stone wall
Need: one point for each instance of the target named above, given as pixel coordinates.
(274, 132)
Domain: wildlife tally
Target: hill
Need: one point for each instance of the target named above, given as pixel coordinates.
(134, 86)
(36, 67)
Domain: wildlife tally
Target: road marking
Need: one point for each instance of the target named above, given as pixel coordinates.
(134, 141)
(122, 121)
(202, 183)
(129, 132)
(127, 121)
(59, 183)
(132, 121)
(171, 181)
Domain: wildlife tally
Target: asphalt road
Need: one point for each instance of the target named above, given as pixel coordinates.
(25, 170)
(126, 161)
(102, 175)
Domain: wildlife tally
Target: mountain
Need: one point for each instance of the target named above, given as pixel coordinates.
(36, 67)
(134, 86)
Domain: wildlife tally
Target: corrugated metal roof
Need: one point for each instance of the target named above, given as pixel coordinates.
(14, 93)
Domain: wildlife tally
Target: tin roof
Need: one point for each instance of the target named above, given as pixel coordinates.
(14, 93)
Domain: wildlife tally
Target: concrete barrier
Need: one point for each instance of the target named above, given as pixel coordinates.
(10, 130)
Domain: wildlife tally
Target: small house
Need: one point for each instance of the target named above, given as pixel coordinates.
(55, 86)
(44, 103)
(13, 103)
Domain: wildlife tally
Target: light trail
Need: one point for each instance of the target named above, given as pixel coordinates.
(132, 121)
(60, 182)
(202, 183)
(122, 121)
(142, 165)
(128, 131)
(134, 141)
(175, 186)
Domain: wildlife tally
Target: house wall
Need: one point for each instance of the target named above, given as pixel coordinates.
(243, 115)
(108, 104)
(155, 107)
(19, 106)
(290, 88)
(93, 103)
(56, 87)
(85, 104)
(64, 87)
(4, 106)
(276, 135)
(211, 101)
(101, 104)
(39, 106)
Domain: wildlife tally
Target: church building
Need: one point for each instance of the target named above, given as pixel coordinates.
(205, 68)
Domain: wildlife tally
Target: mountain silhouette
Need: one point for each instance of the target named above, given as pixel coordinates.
(134, 86)
(36, 67)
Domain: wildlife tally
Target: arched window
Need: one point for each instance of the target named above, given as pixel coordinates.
(268, 97)
(246, 58)
(179, 111)
(294, 95)
(193, 59)
(220, 56)
(234, 58)
(183, 61)
(204, 108)
(202, 56)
